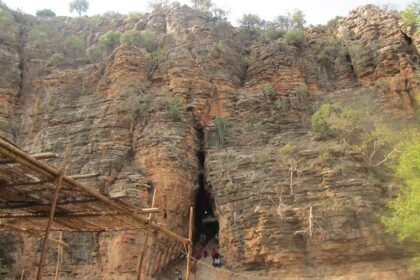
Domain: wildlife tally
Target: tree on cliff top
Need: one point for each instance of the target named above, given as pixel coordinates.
(202, 5)
(411, 15)
(45, 13)
(80, 6)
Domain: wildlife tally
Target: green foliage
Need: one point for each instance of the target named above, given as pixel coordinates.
(56, 59)
(322, 118)
(39, 34)
(222, 27)
(283, 104)
(296, 37)
(263, 159)
(202, 5)
(251, 22)
(220, 13)
(301, 91)
(134, 16)
(258, 125)
(218, 133)
(269, 34)
(285, 23)
(6, 24)
(288, 156)
(154, 59)
(405, 218)
(176, 108)
(80, 6)
(219, 47)
(109, 41)
(75, 44)
(411, 15)
(269, 91)
(45, 13)
(143, 39)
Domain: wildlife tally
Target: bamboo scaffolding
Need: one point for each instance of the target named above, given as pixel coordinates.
(51, 217)
(26, 160)
(190, 233)
(146, 239)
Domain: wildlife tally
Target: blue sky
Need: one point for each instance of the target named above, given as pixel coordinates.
(316, 11)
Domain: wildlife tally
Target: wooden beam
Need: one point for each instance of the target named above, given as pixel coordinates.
(76, 215)
(35, 156)
(21, 157)
(85, 176)
(32, 233)
(59, 258)
(190, 234)
(146, 238)
(18, 184)
(52, 212)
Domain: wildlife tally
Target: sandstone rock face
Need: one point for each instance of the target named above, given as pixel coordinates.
(112, 111)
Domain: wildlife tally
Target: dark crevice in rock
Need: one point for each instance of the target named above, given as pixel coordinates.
(407, 38)
(205, 223)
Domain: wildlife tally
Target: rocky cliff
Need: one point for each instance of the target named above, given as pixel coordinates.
(112, 111)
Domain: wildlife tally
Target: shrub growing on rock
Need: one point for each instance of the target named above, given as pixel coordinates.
(45, 13)
(176, 108)
(217, 134)
(296, 37)
(39, 34)
(109, 41)
(75, 44)
(143, 39)
(269, 91)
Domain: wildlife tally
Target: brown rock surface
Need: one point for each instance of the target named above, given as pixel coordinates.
(113, 114)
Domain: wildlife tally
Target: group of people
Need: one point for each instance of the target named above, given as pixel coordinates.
(216, 256)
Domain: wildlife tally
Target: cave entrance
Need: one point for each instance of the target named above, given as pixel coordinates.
(206, 224)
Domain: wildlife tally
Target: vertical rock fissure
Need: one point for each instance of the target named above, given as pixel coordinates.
(205, 223)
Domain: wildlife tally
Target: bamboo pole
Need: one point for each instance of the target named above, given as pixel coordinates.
(52, 212)
(59, 258)
(33, 233)
(85, 176)
(22, 274)
(146, 238)
(190, 233)
(26, 160)
(35, 156)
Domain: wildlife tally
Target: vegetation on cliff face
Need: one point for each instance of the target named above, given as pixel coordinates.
(405, 218)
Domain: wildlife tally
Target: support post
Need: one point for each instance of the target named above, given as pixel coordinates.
(190, 245)
(146, 239)
(59, 257)
(51, 217)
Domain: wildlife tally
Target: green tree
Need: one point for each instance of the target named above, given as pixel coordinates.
(45, 13)
(298, 19)
(251, 22)
(80, 6)
(39, 34)
(405, 217)
(143, 39)
(202, 5)
(75, 44)
(288, 158)
(296, 37)
(411, 15)
(269, 34)
(109, 41)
